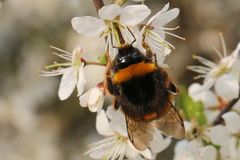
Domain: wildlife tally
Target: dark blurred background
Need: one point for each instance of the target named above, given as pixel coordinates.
(34, 123)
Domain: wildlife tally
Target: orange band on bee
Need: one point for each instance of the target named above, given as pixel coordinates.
(134, 70)
(150, 116)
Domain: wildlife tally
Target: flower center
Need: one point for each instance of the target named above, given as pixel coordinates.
(220, 70)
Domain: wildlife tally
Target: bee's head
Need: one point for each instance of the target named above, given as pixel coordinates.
(127, 55)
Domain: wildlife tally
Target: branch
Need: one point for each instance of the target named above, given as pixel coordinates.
(230, 105)
(92, 63)
(98, 4)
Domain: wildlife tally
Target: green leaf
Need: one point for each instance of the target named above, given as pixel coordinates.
(191, 109)
(102, 59)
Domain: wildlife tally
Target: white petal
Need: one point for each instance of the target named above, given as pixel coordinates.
(180, 146)
(208, 153)
(96, 99)
(185, 155)
(236, 55)
(88, 26)
(159, 143)
(67, 84)
(208, 83)
(208, 98)
(194, 146)
(132, 15)
(100, 150)
(115, 115)
(98, 153)
(211, 115)
(83, 99)
(160, 32)
(227, 87)
(225, 153)
(146, 153)
(77, 55)
(109, 12)
(158, 48)
(237, 106)
(187, 126)
(232, 120)
(131, 152)
(160, 59)
(236, 52)
(97, 106)
(139, 37)
(163, 19)
(117, 121)
(102, 124)
(95, 95)
(81, 80)
(128, 36)
(219, 135)
(119, 127)
(164, 9)
(187, 150)
(231, 151)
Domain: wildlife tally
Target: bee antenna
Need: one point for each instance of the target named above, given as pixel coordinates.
(132, 35)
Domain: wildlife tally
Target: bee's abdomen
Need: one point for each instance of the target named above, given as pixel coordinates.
(143, 97)
(139, 90)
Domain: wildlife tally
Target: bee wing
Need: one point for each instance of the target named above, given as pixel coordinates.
(140, 133)
(170, 122)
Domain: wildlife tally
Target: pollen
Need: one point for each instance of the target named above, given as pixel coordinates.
(135, 70)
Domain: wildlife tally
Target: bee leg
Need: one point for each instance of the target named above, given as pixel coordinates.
(173, 88)
(113, 89)
(148, 57)
(116, 103)
(155, 58)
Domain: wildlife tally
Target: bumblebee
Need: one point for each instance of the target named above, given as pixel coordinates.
(144, 92)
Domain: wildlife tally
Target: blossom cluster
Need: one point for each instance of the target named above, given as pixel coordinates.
(218, 137)
(114, 25)
(117, 25)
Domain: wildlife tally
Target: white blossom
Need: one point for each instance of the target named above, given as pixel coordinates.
(224, 75)
(93, 99)
(111, 16)
(227, 136)
(116, 144)
(154, 32)
(227, 83)
(72, 72)
(208, 98)
(131, 15)
(194, 150)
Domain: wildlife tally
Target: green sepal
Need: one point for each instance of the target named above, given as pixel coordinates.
(192, 110)
(102, 59)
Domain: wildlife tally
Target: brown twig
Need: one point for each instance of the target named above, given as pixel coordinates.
(92, 63)
(98, 4)
(230, 105)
